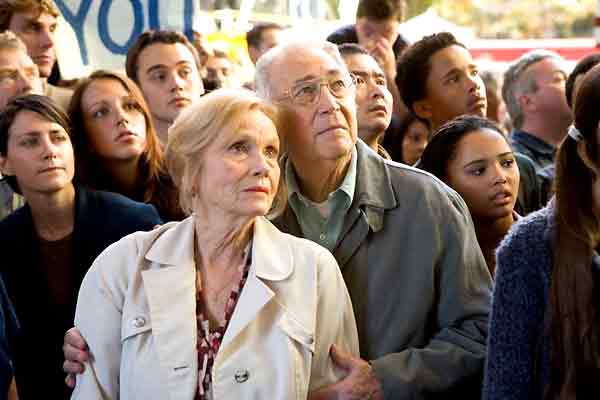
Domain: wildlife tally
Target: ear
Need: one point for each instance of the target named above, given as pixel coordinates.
(526, 102)
(423, 109)
(5, 168)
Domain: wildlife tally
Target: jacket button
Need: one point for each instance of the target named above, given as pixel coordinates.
(241, 375)
(138, 322)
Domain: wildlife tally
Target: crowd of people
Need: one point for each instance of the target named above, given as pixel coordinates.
(361, 221)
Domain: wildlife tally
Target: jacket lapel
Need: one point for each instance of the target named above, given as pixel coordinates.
(171, 293)
(373, 195)
(271, 261)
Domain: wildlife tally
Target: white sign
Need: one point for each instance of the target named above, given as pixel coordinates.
(103, 30)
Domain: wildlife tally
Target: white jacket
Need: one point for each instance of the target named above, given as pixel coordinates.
(137, 311)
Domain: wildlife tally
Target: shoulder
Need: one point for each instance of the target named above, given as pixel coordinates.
(62, 96)
(527, 242)
(121, 209)
(420, 188)
(345, 34)
(14, 223)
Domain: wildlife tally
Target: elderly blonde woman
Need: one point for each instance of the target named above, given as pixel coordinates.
(221, 305)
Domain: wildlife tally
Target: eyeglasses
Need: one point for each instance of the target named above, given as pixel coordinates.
(309, 92)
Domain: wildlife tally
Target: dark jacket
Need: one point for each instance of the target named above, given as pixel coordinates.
(530, 196)
(418, 282)
(101, 219)
(347, 34)
(540, 152)
(8, 332)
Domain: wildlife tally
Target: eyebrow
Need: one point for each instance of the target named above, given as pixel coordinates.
(508, 153)
(156, 67)
(311, 77)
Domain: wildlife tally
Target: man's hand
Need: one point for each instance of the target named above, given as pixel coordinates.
(76, 353)
(382, 51)
(359, 384)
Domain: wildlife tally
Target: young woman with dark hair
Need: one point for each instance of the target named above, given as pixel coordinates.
(472, 156)
(117, 147)
(544, 340)
(407, 142)
(48, 244)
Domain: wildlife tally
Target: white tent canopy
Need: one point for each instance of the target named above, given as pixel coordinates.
(429, 23)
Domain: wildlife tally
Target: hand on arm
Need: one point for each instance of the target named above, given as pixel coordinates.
(76, 353)
(360, 382)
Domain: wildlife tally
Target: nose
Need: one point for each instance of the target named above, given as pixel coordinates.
(122, 116)
(177, 82)
(376, 91)
(327, 101)
(261, 166)
(500, 174)
(46, 38)
(474, 83)
(49, 148)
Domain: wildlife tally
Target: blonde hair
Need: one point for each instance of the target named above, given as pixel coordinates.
(198, 126)
(10, 41)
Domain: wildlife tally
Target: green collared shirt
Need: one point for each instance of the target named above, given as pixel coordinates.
(322, 222)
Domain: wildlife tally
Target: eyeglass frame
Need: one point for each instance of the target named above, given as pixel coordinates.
(287, 94)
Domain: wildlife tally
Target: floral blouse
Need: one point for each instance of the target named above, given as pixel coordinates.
(209, 340)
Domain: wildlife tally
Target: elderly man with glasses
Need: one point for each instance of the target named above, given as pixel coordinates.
(405, 242)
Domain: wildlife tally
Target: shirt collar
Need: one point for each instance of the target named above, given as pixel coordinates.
(347, 186)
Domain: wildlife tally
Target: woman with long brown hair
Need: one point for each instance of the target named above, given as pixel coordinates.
(544, 330)
(117, 147)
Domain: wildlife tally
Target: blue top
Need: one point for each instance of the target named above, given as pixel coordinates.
(518, 343)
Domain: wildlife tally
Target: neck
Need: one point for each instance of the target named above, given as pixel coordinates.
(53, 214)
(489, 234)
(371, 139)
(316, 180)
(162, 129)
(124, 174)
(220, 238)
(546, 130)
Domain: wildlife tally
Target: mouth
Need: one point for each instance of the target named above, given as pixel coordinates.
(502, 197)
(50, 169)
(180, 101)
(44, 59)
(331, 129)
(477, 103)
(124, 135)
(257, 189)
(378, 108)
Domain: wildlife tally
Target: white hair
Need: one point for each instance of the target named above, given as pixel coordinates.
(263, 79)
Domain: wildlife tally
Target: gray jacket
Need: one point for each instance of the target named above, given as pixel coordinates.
(418, 282)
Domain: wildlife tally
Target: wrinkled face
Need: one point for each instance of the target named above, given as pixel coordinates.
(169, 78)
(114, 121)
(453, 88)
(369, 30)
(219, 71)
(373, 99)
(414, 142)
(484, 172)
(37, 32)
(39, 154)
(240, 173)
(550, 97)
(18, 76)
(326, 129)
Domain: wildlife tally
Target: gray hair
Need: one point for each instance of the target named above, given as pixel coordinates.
(10, 41)
(264, 82)
(518, 80)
